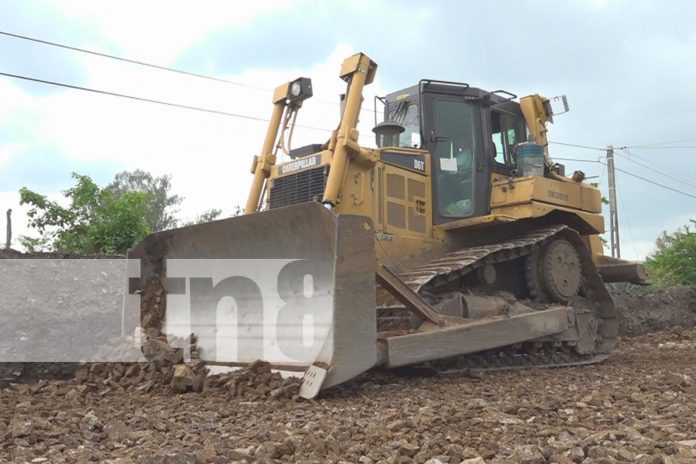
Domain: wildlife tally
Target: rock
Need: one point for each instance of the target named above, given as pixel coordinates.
(577, 454)
(208, 453)
(287, 448)
(596, 452)
(173, 458)
(528, 454)
(20, 426)
(687, 443)
(183, 378)
(625, 455)
(160, 353)
(132, 371)
(651, 459)
(675, 379)
(396, 425)
(434, 461)
(408, 449)
(560, 459)
(82, 374)
(239, 454)
(116, 430)
(478, 460)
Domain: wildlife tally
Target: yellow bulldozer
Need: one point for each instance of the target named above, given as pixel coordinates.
(457, 243)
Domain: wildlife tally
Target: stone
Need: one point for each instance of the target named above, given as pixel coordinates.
(287, 448)
(396, 425)
(596, 452)
(20, 426)
(239, 454)
(651, 459)
(173, 458)
(183, 378)
(408, 449)
(676, 379)
(560, 459)
(132, 371)
(528, 454)
(577, 454)
(160, 353)
(116, 430)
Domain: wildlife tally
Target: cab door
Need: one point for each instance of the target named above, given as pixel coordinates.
(460, 173)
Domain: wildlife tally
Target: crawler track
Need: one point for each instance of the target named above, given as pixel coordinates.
(449, 272)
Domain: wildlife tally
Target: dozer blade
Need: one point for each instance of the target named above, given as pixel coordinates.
(294, 286)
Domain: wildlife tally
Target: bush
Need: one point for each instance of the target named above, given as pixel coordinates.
(674, 261)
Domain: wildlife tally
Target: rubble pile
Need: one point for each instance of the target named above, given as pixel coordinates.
(165, 369)
(256, 382)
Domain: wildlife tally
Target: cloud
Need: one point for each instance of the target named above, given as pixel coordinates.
(161, 29)
(624, 66)
(208, 155)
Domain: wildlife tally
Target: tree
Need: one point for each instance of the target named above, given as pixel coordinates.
(161, 207)
(96, 220)
(212, 214)
(674, 260)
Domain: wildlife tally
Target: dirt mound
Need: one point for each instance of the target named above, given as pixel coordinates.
(9, 253)
(647, 310)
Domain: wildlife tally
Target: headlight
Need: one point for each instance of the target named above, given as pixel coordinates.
(300, 89)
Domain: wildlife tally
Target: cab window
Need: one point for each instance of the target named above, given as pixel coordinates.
(455, 146)
(508, 130)
(406, 114)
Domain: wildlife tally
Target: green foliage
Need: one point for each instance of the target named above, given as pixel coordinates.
(96, 220)
(207, 216)
(674, 261)
(160, 209)
(35, 244)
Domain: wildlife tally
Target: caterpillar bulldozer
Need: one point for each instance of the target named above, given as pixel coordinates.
(457, 243)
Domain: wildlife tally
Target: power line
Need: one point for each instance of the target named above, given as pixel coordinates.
(128, 60)
(629, 173)
(663, 147)
(150, 100)
(652, 181)
(649, 161)
(655, 170)
(650, 145)
(152, 65)
(575, 159)
(578, 146)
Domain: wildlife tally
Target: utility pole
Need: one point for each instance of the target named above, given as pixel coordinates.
(8, 241)
(613, 210)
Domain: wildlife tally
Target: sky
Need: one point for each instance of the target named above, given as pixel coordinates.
(626, 67)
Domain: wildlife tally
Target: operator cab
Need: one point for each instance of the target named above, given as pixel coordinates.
(470, 134)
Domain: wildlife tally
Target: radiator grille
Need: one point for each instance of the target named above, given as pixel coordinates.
(298, 188)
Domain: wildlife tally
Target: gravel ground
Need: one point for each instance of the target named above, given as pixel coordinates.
(637, 407)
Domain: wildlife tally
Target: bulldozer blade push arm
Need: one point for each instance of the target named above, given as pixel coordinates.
(291, 286)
